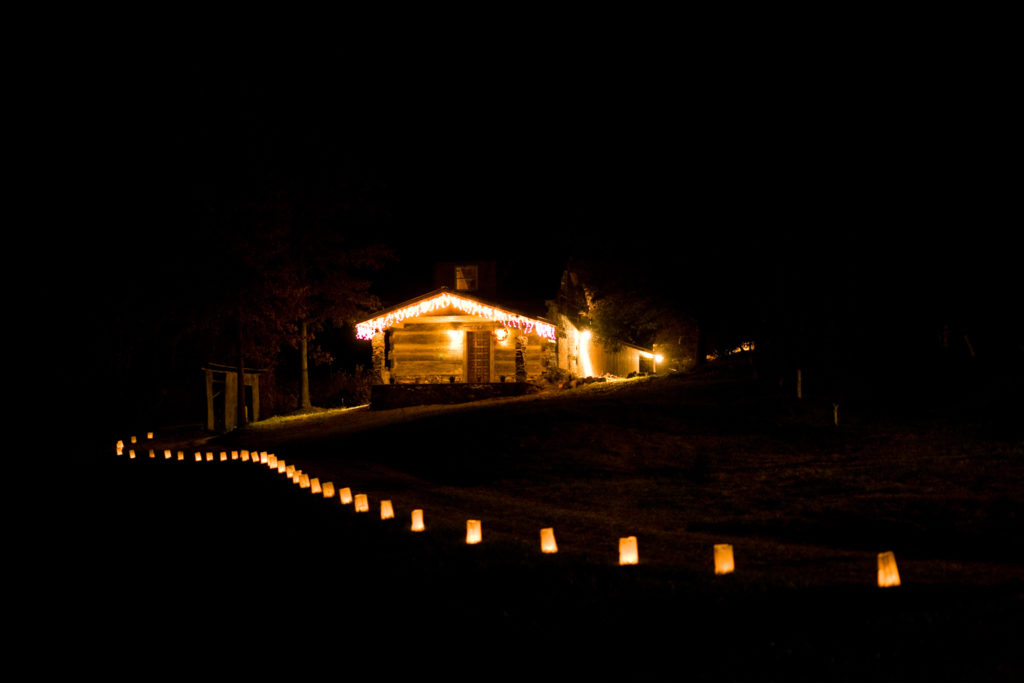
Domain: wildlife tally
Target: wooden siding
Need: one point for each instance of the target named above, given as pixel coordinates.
(432, 349)
(620, 362)
(425, 353)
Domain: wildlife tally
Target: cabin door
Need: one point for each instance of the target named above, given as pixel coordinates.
(478, 356)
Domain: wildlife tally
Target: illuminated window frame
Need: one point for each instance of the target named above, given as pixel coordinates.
(467, 278)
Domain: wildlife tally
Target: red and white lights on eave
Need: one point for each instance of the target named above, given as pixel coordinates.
(440, 302)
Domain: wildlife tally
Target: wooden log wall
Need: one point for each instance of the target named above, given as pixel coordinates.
(427, 353)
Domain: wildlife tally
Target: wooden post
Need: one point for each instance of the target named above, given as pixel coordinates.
(303, 367)
(241, 419)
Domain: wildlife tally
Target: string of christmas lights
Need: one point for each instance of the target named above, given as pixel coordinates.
(367, 330)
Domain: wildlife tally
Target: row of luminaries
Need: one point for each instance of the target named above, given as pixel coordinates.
(888, 575)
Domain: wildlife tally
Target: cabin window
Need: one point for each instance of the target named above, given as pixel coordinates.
(466, 278)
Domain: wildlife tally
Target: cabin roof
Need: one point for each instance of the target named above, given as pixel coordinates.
(446, 298)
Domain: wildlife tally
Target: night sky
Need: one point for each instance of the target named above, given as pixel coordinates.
(875, 175)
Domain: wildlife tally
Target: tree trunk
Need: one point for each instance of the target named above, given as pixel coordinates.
(303, 368)
(241, 418)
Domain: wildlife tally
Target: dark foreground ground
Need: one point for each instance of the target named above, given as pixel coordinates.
(225, 568)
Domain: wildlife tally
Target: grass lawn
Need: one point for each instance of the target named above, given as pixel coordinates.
(229, 564)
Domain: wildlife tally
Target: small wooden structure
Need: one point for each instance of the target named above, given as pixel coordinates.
(222, 396)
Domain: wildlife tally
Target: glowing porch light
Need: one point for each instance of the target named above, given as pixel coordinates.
(547, 541)
(369, 328)
(454, 340)
(888, 575)
(724, 563)
(345, 495)
(584, 354)
(328, 489)
(119, 447)
(474, 532)
(361, 503)
(501, 334)
(386, 510)
(417, 520)
(314, 486)
(627, 550)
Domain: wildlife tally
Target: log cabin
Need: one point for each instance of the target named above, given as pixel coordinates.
(453, 336)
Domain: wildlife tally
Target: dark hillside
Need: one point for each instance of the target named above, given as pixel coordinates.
(222, 559)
